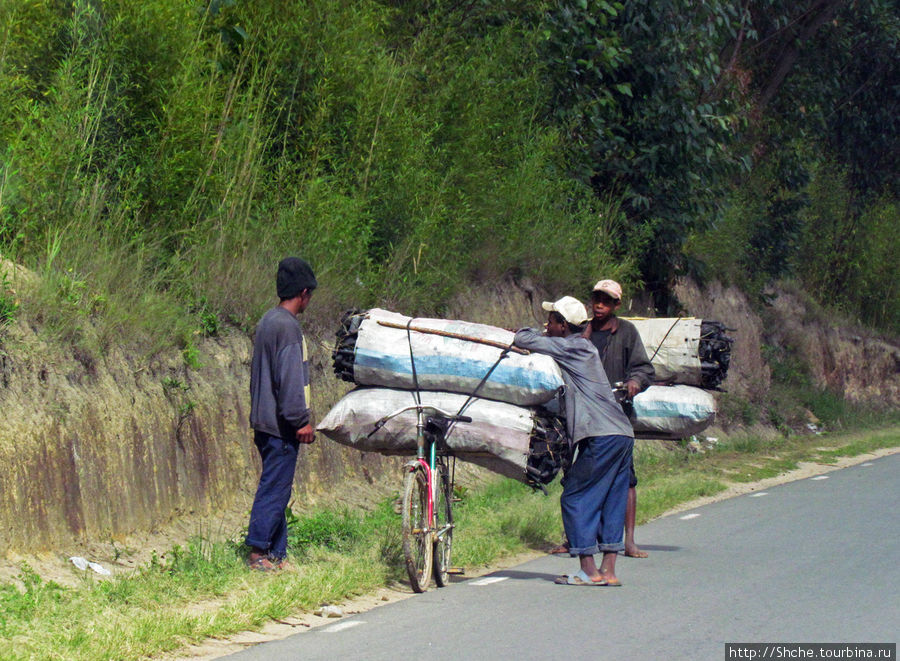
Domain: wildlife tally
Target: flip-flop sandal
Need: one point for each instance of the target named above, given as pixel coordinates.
(615, 583)
(578, 579)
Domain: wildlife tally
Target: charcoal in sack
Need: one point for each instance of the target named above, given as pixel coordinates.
(549, 451)
(672, 411)
(382, 348)
(689, 351)
(499, 438)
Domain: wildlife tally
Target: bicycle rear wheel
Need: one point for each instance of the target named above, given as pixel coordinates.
(443, 533)
(417, 534)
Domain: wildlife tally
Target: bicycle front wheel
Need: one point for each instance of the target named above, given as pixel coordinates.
(417, 534)
(443, 532)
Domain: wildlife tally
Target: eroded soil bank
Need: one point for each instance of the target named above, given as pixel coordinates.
(100, 449)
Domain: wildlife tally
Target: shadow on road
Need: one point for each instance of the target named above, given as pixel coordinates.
(658, 547)
(525, 575)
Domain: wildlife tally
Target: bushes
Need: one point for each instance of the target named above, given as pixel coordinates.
(405, 151)
(801, 218)
(849, 257)
(174, 155)
(8, 303)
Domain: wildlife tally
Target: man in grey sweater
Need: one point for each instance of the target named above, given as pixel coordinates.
(279, 411)
(596, 487)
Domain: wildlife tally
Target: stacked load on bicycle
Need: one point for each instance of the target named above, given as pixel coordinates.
(470, 369)
(690, 356)
(465, 368)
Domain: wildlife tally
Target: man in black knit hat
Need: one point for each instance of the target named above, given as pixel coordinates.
(279, 411)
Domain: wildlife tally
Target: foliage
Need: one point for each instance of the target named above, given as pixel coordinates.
(167, 156)
(8, 302)
(851, 250)
(822, 194)
(157, 158)
(827, 71)
(650, 109)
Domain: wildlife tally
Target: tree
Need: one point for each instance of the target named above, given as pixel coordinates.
(651, 113)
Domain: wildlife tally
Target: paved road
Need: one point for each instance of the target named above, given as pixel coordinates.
(810, 561)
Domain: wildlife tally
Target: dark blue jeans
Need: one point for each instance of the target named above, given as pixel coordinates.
(268, 525)
(595, 494)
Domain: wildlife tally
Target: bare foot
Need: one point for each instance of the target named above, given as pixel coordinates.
(611, 580)
(632, 551)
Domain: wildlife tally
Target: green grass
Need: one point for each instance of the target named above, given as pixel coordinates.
(203, 589)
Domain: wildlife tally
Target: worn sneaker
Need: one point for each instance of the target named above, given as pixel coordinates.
(282, 564)
(260, 562)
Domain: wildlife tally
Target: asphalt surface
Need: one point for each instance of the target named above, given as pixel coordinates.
(810, 561)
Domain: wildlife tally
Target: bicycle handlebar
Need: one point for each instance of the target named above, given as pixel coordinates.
(453, 417)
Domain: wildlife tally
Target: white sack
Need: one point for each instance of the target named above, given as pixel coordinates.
(497, 438)
(382, 358)
(676, 343)
(673, 411)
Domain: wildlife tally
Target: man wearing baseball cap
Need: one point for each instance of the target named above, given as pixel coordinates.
(596, 486)
(625, 361)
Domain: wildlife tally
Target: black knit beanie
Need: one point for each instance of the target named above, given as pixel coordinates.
(294, 275)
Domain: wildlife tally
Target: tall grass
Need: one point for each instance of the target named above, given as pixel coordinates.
(160, 154)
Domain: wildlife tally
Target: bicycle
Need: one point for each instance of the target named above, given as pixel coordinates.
(428, 497)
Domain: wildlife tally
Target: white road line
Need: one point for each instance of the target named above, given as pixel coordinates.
(688, 516)
(342, 625)
(820, 477)
(759, 494)
(868, 463)
(488, 580)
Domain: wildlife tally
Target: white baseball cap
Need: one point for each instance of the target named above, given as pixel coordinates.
(610, 287)
(571, 309)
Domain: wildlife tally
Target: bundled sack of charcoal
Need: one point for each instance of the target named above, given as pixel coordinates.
(514, 441)
(689, 351)
(672, 412)
(382, 348)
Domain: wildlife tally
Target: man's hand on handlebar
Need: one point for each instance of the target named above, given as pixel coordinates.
(633, 388)
(306, 434)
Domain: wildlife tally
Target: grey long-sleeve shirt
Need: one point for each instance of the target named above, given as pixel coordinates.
(624, 356)
(279, 376)
(591, 408)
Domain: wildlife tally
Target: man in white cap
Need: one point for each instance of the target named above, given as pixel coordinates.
(596, 486)
(624, 361)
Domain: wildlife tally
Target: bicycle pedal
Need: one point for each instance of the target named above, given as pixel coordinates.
(456, 571)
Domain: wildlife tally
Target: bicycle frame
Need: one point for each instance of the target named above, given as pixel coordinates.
(428, 460)
(427, 463)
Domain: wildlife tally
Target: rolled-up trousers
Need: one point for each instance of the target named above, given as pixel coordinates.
(595, 494)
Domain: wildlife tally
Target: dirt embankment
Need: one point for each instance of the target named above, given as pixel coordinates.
(100, 449)
(846, 358)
